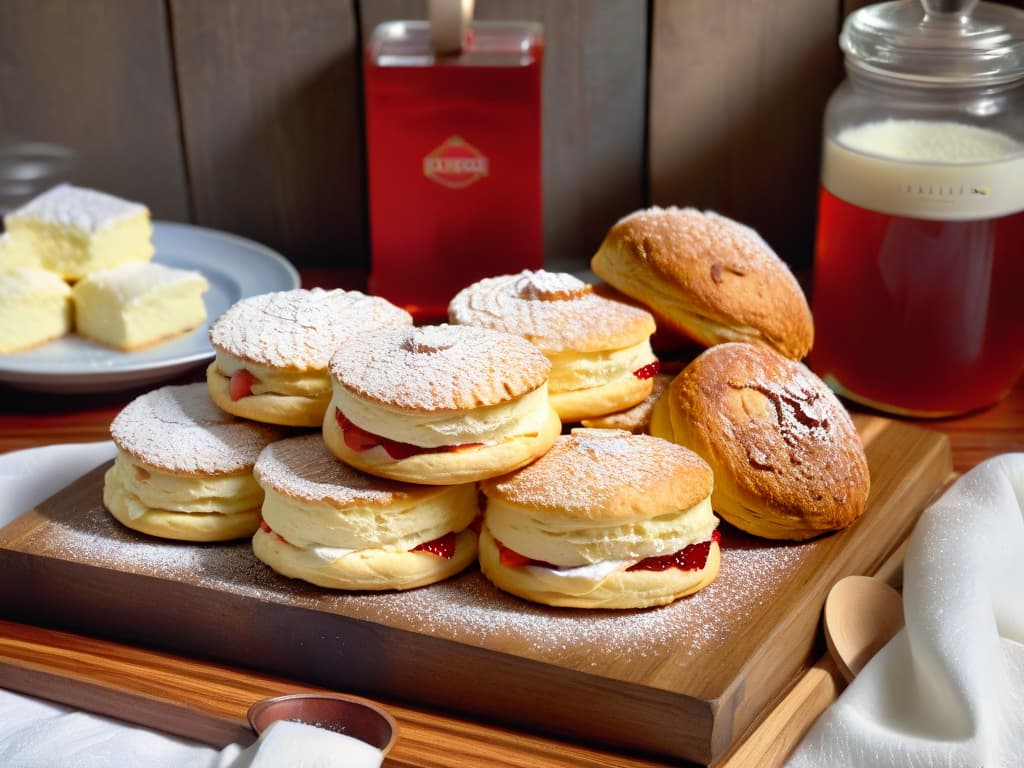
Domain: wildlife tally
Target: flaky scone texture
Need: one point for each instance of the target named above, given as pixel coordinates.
(620, 589)
(707, 277)
(787, 458)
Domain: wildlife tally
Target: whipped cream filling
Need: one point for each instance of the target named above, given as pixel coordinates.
(275, 381)
(148, 489)
(318, 526)
(570, 542)
(574, 370)
(490, 424)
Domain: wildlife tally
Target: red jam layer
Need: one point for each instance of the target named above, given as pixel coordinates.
(649, 371)
(691, 558)
(358, 439)
(241, 384)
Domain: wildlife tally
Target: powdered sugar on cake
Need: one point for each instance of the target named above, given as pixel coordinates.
(554, 310)
(440, 367)
(179, 429)
(301, 329)
(303, 468)
(85, 209)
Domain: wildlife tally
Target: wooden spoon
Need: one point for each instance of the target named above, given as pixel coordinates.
(862, 614)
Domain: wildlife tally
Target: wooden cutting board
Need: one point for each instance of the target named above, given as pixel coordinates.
(683, 681)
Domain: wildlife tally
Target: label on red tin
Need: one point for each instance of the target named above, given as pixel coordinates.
(456, 164)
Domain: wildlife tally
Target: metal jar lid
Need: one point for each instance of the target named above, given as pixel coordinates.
(951, 42)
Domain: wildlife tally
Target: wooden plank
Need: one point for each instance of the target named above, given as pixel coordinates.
(684, 681)
(737, 96)
(594, 82)
(271, 111)
(98, 78)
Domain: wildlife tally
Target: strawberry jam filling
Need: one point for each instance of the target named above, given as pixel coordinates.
(649, 371)
(358, 439)
(691, 558)
(241, 384)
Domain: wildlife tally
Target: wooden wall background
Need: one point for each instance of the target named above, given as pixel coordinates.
(246, 115)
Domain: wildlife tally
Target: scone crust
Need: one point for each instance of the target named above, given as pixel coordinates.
(299, 330)
(788, 460)
(439, 367)
(181, 526)
(619, 590)
(554, 310)
(614, 475)
(283, 410)
(369, 570)
(465, 465)
(708, 277)
(179, 430)
(576, 404)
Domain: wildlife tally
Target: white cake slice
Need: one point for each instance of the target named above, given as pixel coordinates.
(74, 231)
(35, 307)
(137, 305)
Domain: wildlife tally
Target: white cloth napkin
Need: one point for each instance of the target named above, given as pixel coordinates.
(947, 690)
(33, 475)
(40, 734)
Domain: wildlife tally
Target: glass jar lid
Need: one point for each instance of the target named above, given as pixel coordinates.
(937, 41)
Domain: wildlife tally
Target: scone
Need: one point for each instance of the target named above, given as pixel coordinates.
(605, 519)
(331, 525)
(35, 307)
(137, 305)
(184, 467)
(74, 231)
(272, 351)
(707, 277)
(638, 418)
(439, 405)
(599, 348)
(14, 259)
(788, 461)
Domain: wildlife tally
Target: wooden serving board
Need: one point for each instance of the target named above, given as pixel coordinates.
(683, 681)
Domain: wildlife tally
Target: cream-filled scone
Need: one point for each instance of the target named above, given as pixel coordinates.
(74, 231)
(707, 277)
(439, 405)
(605, 519)
(329, 524)
(35, 307)
(272, 350)
(599, 348)
(184, 467)
(787, 458)
(137, 305)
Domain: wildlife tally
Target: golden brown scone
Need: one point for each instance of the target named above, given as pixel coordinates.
(605, 519)
(439, 405)
(331, 525)
(788, 461)
(272, 351)
(638, 418)
(708, 277)
(184, 467)
(599, 348)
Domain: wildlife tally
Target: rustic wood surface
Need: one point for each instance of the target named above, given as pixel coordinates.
(97, 77)
(603, 674)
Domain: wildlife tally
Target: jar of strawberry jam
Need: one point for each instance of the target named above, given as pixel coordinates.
(920, 244)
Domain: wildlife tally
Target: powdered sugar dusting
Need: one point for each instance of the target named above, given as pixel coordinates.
(302, 467)
(440, 367)
(301, 329)
(86, 209)
(179, 429)
(466, 609)
(591, 468)
(554, 310)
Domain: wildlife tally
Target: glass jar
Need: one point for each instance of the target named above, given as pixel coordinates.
(919, 260)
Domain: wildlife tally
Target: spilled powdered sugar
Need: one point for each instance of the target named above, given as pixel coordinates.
(466, 609)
